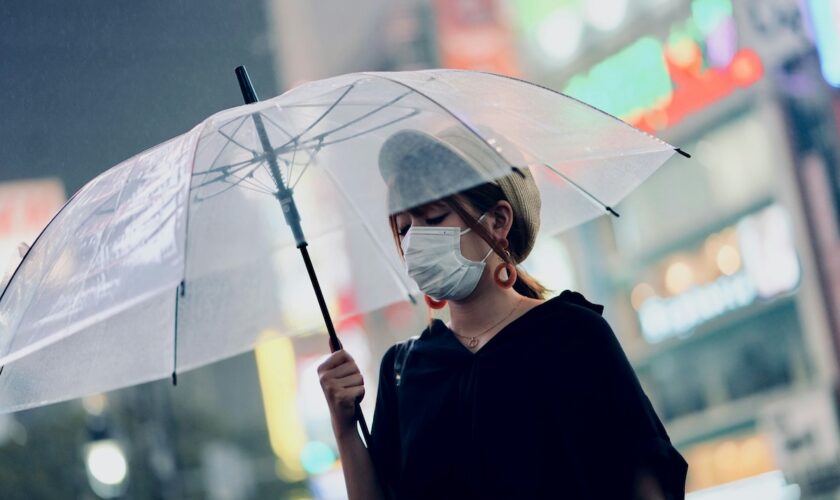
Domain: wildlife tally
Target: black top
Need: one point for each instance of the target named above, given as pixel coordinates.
(548, 408)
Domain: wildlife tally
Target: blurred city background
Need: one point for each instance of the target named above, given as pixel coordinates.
(721, 278)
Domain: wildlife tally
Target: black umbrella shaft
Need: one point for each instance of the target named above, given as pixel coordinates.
(290, 212)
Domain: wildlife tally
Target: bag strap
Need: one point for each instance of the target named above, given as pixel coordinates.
(403, 349)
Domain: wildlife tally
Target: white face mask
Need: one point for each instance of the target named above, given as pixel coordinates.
(434, 261)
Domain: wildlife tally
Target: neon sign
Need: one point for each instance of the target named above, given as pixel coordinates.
(654, 85)
(770, 268)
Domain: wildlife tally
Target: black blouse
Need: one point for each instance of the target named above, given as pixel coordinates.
(548, 408)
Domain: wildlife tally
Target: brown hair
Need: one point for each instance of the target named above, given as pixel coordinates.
(483, 197)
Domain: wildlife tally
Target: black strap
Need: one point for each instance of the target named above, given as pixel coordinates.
(403, 348)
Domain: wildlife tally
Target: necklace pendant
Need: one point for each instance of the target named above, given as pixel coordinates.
(472, 342)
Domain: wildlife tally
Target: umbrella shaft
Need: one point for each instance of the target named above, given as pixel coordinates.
(335, 344)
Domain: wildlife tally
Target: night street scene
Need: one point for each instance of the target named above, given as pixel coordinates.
(420, 250)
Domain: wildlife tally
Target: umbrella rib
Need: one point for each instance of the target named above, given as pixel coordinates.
(362, 117)
(275, 124)
(582, 190)
(222, 150)
(387, 124)
(260, 184)
(232, 185)
(255, 186)
(237, 165)
(318, 120)
(319, 138)
(445, 110)
(306, 165)
(255, 162)
(369, 230)
(291, 164)
(231, 139)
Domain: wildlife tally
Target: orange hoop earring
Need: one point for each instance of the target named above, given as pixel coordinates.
(434, 304)
(511, 273)
(510, 268)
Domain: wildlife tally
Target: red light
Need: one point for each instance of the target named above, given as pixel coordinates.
(746, 68)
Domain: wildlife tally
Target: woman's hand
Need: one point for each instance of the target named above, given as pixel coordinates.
(343, 386)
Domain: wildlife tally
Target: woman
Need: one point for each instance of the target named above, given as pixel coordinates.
(517, 396)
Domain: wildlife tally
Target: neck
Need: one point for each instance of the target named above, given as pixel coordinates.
(481, 309)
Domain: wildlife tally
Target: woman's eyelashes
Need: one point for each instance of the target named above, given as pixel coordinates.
(433, 221)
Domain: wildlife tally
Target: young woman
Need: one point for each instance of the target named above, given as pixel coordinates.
(516, 397)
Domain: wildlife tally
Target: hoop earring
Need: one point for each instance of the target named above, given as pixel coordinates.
(434, 304)
(511, 273)
(507, 266)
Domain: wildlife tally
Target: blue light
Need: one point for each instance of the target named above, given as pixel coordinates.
(825, 17)
(317, 457)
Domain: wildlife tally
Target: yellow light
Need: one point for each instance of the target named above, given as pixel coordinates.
(728, 260)
(278, 384)
(756, 456)
(712, 246)
(95, 404)
(679, 277)
(640, 294)
(726, 461)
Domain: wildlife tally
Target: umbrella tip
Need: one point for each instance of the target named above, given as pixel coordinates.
(174, 378)
(680, 151)
(245, 85)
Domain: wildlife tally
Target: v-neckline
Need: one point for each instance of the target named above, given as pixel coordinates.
(448, 331)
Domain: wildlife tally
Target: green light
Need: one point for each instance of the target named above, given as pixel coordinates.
(708, 14)
(629, 82)
(530, 13)
(317, 457)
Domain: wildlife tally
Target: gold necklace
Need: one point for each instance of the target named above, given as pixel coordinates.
(472, 341)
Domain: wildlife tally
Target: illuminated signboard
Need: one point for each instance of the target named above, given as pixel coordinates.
(654, 84)
(756, 259)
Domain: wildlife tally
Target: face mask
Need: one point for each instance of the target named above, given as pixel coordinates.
(434, 261)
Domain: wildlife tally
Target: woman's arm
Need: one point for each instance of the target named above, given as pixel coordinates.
(342, 383)
(629, 440)
(359, 474)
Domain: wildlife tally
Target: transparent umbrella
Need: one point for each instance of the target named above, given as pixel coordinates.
(185, 253)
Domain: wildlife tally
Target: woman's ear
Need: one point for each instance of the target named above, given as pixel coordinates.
(502, 214)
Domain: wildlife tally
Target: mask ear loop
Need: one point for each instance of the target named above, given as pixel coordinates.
(507, 266)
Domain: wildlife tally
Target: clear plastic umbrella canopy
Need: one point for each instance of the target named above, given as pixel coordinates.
(180, 256)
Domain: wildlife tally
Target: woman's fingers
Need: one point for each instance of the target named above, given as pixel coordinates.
(335, 359)
(350, 380)
(343, 386)
(344, 370)
(354, 394)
